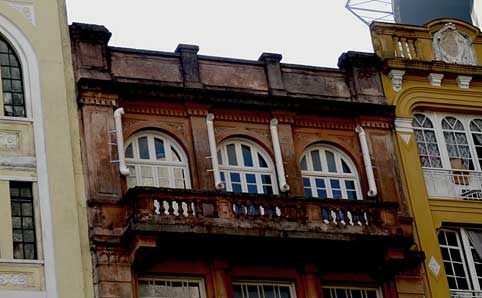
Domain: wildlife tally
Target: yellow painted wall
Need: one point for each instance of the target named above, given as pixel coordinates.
(43, 23)
(418, 94)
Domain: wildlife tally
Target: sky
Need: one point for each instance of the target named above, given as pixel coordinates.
(309, 32)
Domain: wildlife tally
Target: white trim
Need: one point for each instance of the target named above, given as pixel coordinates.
(16, 119)
(24, 294)
(396, 76)
(372, 186)
(435, 79)
(218, 184)
(283, 186)
(31, 74)
(199, 281)
(464, 82)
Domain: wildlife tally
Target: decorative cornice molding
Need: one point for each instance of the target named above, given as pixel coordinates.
(155, 111)
(325, 124)
(243, 118)
(98, 99)
(376, 124)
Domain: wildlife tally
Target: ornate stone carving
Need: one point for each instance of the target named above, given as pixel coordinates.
(16, 279)
(435, 79)
(8, 140)
(464, 81)
(453, 46)
(396, 76)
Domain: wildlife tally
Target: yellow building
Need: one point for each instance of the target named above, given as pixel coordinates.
(432, 75)
(44, 248)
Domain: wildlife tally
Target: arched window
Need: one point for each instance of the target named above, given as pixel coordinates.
(13, 99)
(457, 144)
(328, 173)
(154, 159)
(476, 129)
(426, 141)
(245, 167)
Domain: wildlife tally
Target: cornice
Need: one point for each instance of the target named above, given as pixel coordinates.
(98, 99)
(243, 118)
(325, 124)
(431, 67)
(155, 111)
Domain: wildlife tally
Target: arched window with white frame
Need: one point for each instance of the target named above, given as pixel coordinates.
(329, 173)
(155, 159)
(426, 141)
(457, 144)
(13, 95)
(246, 167)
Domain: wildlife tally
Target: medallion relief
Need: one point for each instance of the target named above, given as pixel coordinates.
(9, 140)
(453, 46)
(8, 279)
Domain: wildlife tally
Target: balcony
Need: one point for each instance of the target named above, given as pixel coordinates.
(453, 184)
(188, 211)
(465, 294)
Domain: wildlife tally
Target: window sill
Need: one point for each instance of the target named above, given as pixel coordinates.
(19, 262)
(16, 119)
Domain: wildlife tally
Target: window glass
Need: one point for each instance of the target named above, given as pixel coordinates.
(262, 290)
(155, 159)
(23, 221)
(328, 173)
(12, 82)
(248, 169)
(336, 292)
(426, 142)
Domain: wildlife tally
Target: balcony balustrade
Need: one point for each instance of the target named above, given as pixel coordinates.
(158, 209)
(453, 184)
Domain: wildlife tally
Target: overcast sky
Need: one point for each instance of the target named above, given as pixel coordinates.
(310, 32)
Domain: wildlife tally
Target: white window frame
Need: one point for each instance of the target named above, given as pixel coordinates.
(312, 175)
(378, 292)
(258, 283)
(153, 163)
(436, 119)
(225, 169)
(465, 248)
(199, 281)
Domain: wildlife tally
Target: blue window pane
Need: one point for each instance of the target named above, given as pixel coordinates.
(330, 159)
(235, 177)
(308, 192)
(159, 146)
(306, 181)
(252, 188)
(266, 179)
(262, 162)
(337, 194)
(247, 156)
(236, 187)
(351, 195)
(320, 183)
(322, 194)
(349, 184)
(315, 157)
(250, 178)
(143, 148)
(335, 183)
(231, 155)
(222, 176)
(267, 189)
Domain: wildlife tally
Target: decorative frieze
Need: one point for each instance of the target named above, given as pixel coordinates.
(16, 280)
(155, 111)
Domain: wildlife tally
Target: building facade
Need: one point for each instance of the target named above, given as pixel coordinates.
(432, 75)
(216, 177)
(44, 248)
